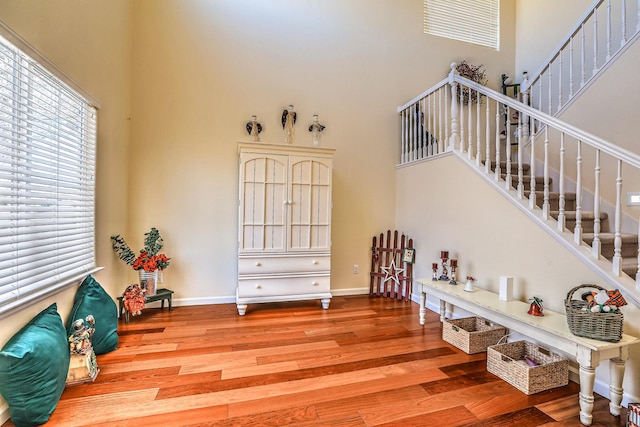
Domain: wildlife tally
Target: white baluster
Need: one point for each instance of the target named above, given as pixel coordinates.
(595, 43)
(403, 150)
(623, 36)
(559, 82)
(638, 19)
(608, 57)
(424, 148)
(478, 129)
(596, 245)
(617, 241)
(487, 137)
(433, 130)
(469, 137)
(545, 203)
(582, 56)
(524, 119)
(446, 120)
(439, 137)
(412, 126)
(507, 179)
(520, 186)
(577, 231)
(561, 201)
(455, 127)
(428, 127)
(570, 67)
(498, 143)
(462, 116)
(532, 173)
(550, 83)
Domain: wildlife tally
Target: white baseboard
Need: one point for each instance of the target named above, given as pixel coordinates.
(178, 302)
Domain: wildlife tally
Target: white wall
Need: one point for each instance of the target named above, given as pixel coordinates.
(443, 205)
(202, 68)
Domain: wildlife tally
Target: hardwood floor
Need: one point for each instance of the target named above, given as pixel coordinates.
(364, 362)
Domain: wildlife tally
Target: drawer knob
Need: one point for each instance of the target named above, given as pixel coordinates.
(315, 283)
(258, 286)
(258, 264)
(314, 262)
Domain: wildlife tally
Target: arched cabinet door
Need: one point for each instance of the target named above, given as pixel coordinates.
(284, 224)
(310, 209)
(263, 202)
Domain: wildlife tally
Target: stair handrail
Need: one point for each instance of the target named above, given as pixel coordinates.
(560, 99)
(601, 144)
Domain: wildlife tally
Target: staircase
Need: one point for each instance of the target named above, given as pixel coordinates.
(575, 189)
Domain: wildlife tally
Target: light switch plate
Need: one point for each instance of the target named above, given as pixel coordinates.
(633, 199)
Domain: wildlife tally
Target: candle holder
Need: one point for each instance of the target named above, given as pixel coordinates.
(434, 267)
(454, 267)
(444, 256)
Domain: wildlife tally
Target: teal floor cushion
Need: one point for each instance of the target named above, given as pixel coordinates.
(33, 368)
(91, 298)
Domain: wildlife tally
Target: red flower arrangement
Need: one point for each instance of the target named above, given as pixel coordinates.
(150, 263)
(149, 259)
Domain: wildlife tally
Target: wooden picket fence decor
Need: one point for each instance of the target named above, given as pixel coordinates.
(391, 277)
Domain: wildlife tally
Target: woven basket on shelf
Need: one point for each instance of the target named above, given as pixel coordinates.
(584, 323)
(506, 361)
(472, 334)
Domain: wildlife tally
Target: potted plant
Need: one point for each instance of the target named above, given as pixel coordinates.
(148, 262)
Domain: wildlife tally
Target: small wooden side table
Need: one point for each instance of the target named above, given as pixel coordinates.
(160, 295)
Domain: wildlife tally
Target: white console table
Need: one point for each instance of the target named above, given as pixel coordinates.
(551, 329)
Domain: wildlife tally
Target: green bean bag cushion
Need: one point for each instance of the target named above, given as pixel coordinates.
(91, 298)
(33, 368)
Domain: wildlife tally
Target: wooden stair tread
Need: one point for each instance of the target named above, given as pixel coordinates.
(556, 195)
(585, 215)
(610, 237)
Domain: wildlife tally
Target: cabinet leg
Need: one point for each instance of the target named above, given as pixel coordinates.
(242, 309)
(325, 303)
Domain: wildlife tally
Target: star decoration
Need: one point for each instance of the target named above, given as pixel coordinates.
(392, 272)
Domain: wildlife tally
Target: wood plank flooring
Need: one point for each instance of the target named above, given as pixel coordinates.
(364, 362)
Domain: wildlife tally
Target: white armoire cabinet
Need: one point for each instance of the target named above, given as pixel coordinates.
(284, 243)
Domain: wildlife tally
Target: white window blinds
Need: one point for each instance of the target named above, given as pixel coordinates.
(473, 21)
(47, 181)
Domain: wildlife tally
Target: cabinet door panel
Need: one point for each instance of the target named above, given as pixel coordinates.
(263, 193)
(309, 190)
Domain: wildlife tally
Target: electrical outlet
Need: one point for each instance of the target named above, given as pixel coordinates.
(356, 269)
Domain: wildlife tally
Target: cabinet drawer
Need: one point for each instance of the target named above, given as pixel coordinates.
(283, 264)
(271, 286)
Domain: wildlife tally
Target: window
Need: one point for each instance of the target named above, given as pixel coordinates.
(47, 182)
(473, 21)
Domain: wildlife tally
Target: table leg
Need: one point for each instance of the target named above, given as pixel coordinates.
(423, 310)
(616, 371)
(443, 310)
(587, 380)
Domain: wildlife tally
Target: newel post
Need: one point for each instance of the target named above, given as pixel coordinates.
(454, 139)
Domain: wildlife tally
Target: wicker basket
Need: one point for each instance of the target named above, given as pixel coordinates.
(584, 323)
(506, 361)
(472, 334)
